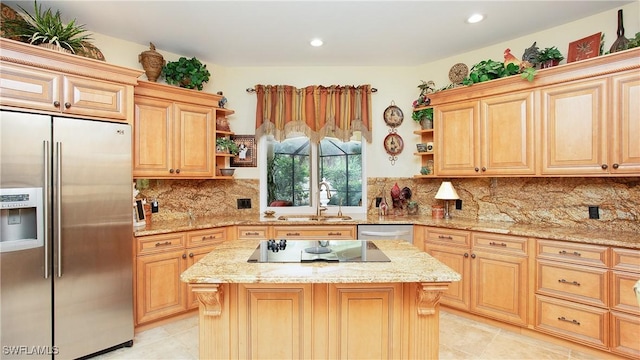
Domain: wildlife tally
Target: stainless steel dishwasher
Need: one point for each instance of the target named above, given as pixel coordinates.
(386, 232)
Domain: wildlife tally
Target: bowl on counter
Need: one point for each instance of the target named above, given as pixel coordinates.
(227, 172)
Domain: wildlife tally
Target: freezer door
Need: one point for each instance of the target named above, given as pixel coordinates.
(25, 282)
(93, 302)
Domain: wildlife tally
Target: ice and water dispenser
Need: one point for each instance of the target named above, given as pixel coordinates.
(21, 219)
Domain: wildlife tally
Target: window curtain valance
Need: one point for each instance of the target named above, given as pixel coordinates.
(316, 111)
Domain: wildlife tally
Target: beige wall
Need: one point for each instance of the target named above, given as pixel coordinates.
(549, 201)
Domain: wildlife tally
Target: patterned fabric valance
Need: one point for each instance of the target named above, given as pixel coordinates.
(316, 111)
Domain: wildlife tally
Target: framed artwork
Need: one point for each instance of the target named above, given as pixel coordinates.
(584, 48)
(247, 156)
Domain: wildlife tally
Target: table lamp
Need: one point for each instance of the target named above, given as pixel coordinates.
(446, 193)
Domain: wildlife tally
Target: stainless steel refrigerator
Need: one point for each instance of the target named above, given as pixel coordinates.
(65, 236)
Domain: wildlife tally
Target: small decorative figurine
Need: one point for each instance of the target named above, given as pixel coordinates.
(222, 101)
(531, 54)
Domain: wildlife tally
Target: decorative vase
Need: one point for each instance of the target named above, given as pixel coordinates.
(55, 47)
(152, 62)
(426, 124)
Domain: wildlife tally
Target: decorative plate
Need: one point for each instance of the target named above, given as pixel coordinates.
(393, 116)
(458, 72)
(393, 144)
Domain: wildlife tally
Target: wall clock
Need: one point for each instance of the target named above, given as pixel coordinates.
(458, 72)
(393, 116)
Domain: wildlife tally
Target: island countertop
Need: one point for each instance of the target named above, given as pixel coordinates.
(227, 263)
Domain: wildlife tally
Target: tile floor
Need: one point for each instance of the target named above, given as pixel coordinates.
(460, 338)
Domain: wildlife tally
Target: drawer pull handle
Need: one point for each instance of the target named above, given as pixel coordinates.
(496, 244)
(445, 237)
(204, 238)
(163, 244)
(562, 318)
(565, 252)
(293, 234)
(334, 233)
(251, 233)
(569, 282)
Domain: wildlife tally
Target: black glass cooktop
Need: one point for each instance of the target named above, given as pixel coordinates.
(296, 251)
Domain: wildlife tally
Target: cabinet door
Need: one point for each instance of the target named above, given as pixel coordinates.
(194, 255)
(625, 124)
(625, 332)
(29, 88)
(500, 286)
(457, 258)
(194, 139)
(152, 138)
(160, 293)
(574, 140)
(458, 137)
(91, 97)
(507, 135)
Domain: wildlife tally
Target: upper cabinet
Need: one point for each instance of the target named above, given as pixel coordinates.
(42, 80)
(174, 132)
(577, 119)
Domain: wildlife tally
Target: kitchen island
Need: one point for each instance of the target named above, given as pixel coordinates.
(319, 310)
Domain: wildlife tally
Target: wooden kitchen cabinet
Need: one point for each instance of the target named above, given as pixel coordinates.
(253, 232)
(34, 78)
(625, 310)
(624, 156)
(426, 136)
(491, 136)
(174, 132)
(313, 232)
(160, 259)
(494, 271)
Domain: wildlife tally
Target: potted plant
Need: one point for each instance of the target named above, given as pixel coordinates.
(549, 57)
(224, 145)
(489, 70)
(186, 73)
(45, 28)
(424, 117)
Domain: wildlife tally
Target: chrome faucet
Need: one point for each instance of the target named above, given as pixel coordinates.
(319, 208)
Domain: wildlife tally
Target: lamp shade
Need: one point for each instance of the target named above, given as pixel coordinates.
(447, 192)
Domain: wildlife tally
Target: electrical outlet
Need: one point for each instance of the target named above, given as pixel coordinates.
(594, 212)
(378, 201)
(458, 204)
(154, 206)
(244, 203)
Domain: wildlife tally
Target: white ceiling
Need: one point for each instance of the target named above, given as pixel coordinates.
(356, 33)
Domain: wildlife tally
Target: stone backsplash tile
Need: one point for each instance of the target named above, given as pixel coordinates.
(543, 201)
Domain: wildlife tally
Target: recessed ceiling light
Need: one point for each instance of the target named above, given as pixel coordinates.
(475, 18)
(316, 42)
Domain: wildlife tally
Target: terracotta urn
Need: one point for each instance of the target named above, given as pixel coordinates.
(152, 62)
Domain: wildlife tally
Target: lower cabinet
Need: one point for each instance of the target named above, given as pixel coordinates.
(494, 271)
(313, 232)
(160, 259)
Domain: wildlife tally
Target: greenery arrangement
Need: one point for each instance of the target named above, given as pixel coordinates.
(45, 27)
(225, 144)
(421, 114)
(489, 70)
(550, 53)
(186, 73)
(634, 42)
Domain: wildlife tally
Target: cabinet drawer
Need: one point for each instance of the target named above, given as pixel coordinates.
(625, 332)
(623, 297)
(206, 237)
(625, 259)
(581, 323)
(494, 242)
(573, 282)
(346, 232)
(584, 254)
(158, 243)
(447, 236)
(26, 87)
(253, 232)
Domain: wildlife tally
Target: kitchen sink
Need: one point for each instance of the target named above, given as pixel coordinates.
(314, 218)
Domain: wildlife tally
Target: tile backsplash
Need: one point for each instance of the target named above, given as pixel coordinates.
(550, 201)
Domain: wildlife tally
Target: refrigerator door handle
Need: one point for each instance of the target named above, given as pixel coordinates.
(46, 209)
(58, 205)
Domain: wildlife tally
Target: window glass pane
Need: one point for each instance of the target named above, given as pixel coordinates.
(340, 164)
(288, 173)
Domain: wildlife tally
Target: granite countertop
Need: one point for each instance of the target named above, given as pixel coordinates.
(626, 239)
(228, 264)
